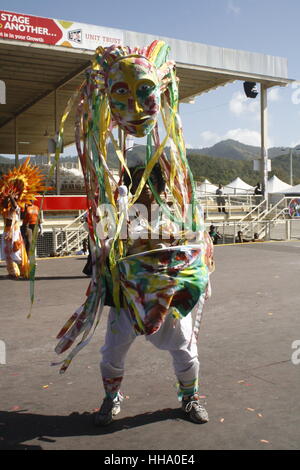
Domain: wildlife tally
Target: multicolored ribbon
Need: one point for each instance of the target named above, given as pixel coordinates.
(180, 277)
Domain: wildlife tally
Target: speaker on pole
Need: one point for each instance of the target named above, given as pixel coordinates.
(250, 89)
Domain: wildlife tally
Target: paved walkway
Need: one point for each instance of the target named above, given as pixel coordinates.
(249, 381)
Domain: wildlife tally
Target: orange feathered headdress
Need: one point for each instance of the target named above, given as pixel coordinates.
(23, 183)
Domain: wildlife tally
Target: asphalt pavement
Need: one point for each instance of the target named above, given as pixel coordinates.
(249, 348)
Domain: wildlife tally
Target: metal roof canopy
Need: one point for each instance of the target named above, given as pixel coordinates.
(41, 78)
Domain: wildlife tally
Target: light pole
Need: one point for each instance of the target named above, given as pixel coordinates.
(297, 147)
(291, 167)
(291, 163)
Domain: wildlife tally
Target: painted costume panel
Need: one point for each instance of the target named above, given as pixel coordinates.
(157, 282)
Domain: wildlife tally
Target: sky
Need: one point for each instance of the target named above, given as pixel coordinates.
(264, 26)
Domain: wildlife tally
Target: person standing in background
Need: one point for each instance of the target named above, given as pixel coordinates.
(214, 234)
(258, 193)
(220, 199)
(31, 216)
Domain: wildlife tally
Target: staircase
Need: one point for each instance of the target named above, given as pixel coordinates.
(258, 220)
(261, 218)
(70, 238)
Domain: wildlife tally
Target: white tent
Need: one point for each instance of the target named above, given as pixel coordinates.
(275, 185)
(293, 190)
(238, 186)
(206, 188)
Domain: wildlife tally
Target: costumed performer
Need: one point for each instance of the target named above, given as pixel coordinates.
(156, 273)
(12, 246)
(17, 188)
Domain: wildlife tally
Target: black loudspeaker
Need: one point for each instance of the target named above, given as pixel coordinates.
(250, 89)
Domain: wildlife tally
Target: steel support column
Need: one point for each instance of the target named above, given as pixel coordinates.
(16, 143)
(264, 139)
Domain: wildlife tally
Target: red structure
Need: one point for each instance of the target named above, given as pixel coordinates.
(63, 203)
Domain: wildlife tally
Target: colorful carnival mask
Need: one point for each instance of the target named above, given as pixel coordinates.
(134, 94)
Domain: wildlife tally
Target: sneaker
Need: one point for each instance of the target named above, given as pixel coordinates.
(109, 408)
(197, 413)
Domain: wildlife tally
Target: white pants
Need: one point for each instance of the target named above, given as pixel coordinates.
(175, 336)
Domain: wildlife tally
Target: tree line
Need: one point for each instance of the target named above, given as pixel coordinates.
(223, 170)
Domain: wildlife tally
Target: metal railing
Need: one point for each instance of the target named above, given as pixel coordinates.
(286, 229)
(234, 205)
(258, 219)
(69, 238)
(272, 224)
(271, 215)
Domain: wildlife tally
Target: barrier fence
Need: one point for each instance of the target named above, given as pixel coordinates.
(272, 223)
(288, 229)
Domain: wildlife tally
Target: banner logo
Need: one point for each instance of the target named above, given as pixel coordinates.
(75, 35)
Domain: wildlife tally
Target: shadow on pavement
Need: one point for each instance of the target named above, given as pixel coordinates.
(19, 427)
(44, 278)
(53, 278)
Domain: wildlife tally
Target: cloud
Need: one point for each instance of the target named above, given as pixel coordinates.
(188, 146)
(245, 136)
(209, 138)
(294, 144)
(274, 95)
(233, 8)
(240, 104)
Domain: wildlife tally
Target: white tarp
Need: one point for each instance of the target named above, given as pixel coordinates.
(293, 190)
(238, 186)
(275, 185)
(206, 187)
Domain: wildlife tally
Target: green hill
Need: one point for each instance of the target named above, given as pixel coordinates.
(224, 162)
(235, 150)
(221, 170)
